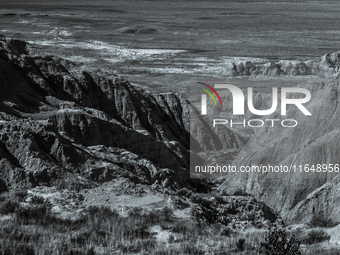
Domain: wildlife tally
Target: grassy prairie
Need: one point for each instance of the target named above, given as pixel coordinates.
(30, 228)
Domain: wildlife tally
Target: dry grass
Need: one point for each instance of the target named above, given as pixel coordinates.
(33, 230)
(103, 231)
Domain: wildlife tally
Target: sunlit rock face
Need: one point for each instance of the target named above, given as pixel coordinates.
(315, 140)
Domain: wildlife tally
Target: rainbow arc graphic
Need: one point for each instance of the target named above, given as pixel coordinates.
(209, 93)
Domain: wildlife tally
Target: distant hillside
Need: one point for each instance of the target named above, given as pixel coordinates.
(297, 196)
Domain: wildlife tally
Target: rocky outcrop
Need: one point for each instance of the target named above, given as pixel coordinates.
(236, 212)
(314, 141)
(48, 77)
(322, 201)
(54, 116)
(326, 66)
(205, 137)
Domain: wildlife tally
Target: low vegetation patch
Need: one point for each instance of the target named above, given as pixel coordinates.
(240, 192)
(30, 227)
(278, 243)
(316, 236)
(320, 220)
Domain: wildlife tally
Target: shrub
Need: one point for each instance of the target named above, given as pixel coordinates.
(102, 211)
(223, 193)
(78, 252)
(325, 251)
(299, 196)
(134, 231)
(137, 246)
(16, 249)
(21, 194)
(106, 212)
(24, 249)
(13, 233)
(180, 228)
(91, 251)
(37, 199)
(184, 192)
(98, 215)
(317, 236)
(152, 217)
(226, 232)
(190, 248)
(220, 200)
(277, 243)
(187, 229)
(167, 213)
(81, 197)
(320, 220)
(231, 209)
(75, 252)
(135, 212)
(8, 206)
(208, 214)
(36, 213)
(163, 250)
(240, 244)
(240, 192)
(171, 239)
(80, 238)
(197, 198)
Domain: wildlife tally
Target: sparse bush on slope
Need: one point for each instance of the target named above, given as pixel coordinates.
(321, 220)
(277, 243)
(316, 236)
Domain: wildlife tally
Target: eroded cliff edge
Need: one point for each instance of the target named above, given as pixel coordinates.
(63, 127)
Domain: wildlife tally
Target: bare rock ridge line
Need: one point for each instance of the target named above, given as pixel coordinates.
(59, 124)
(326, 66)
